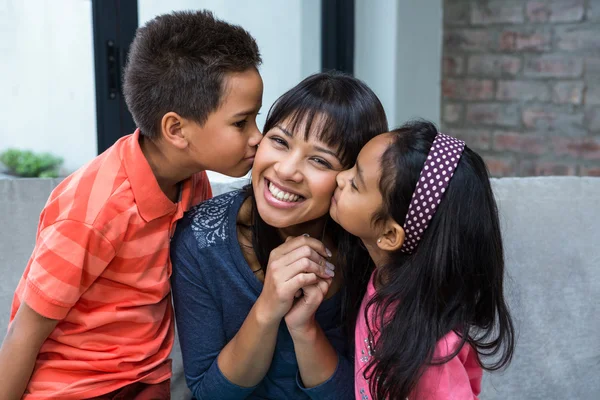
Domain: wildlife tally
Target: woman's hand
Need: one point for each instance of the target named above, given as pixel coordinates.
(300, 320)
(298, 263)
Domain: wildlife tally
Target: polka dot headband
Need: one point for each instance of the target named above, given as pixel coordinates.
(435, 176)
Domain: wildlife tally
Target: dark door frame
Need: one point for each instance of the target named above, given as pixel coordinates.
(114, 24)
(337, 35)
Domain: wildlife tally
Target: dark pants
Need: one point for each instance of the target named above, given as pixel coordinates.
(140, 391)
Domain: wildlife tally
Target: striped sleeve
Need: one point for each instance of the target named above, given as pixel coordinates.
(68, 257)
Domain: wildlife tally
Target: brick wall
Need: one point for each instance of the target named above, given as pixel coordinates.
(521, 83)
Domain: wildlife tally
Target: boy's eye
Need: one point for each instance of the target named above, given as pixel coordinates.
(353, 185)
(240, 124)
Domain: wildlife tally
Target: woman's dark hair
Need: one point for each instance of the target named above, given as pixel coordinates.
(347, 115)
(452, 282)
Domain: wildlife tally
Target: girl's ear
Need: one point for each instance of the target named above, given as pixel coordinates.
(392, 238)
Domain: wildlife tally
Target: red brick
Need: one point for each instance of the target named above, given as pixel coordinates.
(555, 11)
(589, 171)
(476, 139)
(554, 67)
(523, 91)
(500, 166)
(552, 119)
(468, 89)
(496, 12)
(592, 67)
(456, 12)
(592, 95)
(574, 38)
(568, 92)
(593, 11)
(468, 39)
(520, 143)
(453, 113)
(453, 65)
(549, 168)
(592, 119)
(494, 65)
(493, 114)
(525, 41)
(587, 148)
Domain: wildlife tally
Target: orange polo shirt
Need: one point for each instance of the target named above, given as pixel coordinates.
(101, 266)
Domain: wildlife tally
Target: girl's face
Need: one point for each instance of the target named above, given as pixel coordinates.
(357, 197)
(293, 178)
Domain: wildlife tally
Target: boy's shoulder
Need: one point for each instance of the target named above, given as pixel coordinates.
(102, 193)
(209, 222)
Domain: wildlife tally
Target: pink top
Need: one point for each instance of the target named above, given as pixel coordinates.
(459, 378)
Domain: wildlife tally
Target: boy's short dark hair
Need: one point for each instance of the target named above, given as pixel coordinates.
(178, 62)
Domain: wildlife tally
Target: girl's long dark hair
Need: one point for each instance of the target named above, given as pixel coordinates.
(452, 282)
(347, 114)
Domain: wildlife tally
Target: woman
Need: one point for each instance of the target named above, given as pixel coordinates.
(256, 290)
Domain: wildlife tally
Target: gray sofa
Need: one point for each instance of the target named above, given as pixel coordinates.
(551, 229)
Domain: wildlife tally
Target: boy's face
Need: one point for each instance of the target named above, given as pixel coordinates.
(227, 141)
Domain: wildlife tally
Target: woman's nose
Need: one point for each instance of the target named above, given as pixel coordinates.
(288, 169)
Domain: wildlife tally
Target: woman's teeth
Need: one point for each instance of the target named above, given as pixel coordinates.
(281, 195)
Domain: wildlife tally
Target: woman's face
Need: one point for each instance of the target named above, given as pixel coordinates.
(293, 178)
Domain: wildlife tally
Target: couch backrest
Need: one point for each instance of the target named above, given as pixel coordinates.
(551, 229)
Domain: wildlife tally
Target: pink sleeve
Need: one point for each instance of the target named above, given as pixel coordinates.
(458, 379)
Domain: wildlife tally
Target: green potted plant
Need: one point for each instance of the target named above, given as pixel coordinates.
(28, 164)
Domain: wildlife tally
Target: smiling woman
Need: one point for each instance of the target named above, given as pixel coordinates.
(246, 261)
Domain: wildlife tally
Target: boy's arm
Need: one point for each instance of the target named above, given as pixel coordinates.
(20, 349)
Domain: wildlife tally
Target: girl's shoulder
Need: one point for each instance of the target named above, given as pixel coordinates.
(459, 376)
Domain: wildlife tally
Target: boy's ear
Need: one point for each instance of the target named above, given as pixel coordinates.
(392, 237)
(172, 127)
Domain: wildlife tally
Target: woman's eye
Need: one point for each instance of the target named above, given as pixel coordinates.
(240, 124)
(353, 185)
(279, 141)
(322, 162)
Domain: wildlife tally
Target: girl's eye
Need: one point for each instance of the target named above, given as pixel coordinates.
(279, 141)
(322, 162)
(240, 124)
(353, 185)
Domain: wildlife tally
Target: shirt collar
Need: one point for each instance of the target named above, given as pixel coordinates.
(151, 201)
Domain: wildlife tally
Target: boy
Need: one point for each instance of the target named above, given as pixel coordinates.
(91, 316)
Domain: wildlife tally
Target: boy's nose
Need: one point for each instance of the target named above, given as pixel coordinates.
(255, 138)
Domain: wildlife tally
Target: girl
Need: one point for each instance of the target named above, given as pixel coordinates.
(422, 205)
(257, 301)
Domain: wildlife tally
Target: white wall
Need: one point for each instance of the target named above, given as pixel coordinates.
(398, 54)
(47, 67)
(419, 60)
(47, 95)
